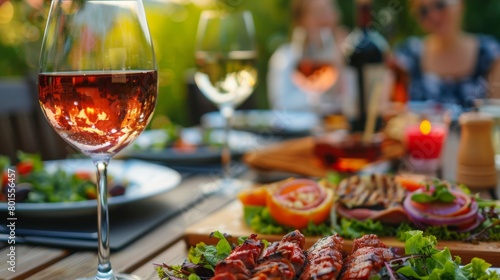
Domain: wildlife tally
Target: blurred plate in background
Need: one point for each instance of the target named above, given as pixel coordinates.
(266, 122)
(194, 146)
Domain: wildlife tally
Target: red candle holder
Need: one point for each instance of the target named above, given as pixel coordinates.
(424, 143)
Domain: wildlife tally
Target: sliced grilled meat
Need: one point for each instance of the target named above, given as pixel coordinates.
(295, 237)
(367, 258)
(292, 237)
(335, 242)
(269, 250)
(367, 240)
(241, 260)
(324, 259)
(376, 197)
(276, 267)
(376, 192)
(326, 267)
(365, 263)
(224, 276)
(293, 253)
(248, 252)
(235, 268)
(290, 247)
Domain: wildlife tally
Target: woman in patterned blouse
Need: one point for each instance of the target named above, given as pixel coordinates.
(449, 65)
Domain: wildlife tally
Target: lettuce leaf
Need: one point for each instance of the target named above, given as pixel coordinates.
(201, 261)
(35, 159)
(260, 220)
(477, 268)
(418, 244)
(429, 263)
(4, 163)
(352, 229)
(209, 255)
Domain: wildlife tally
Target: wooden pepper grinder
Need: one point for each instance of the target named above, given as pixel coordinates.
(476, 157)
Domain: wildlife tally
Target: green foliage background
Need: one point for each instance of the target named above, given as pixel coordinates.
(173, 27)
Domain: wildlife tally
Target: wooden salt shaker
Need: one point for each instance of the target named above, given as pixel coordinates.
(476, 157)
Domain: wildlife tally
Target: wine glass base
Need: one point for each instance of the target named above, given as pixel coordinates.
(117, 277)
(226, 186)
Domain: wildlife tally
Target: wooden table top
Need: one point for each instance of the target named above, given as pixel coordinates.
(164, 244)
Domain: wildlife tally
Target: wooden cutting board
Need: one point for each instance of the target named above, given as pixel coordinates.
(229, 220)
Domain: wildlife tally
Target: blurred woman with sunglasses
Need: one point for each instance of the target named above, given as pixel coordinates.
(448, 65)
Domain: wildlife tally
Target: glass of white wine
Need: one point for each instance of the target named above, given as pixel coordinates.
(226, 74)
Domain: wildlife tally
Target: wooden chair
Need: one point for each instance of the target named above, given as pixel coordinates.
(22, 124)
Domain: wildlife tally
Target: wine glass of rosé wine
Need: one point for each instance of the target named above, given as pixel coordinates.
(316, 70)
(226, 59)
(98, 86)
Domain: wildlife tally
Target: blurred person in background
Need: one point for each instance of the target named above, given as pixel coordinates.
(448, 66)
(312, 16)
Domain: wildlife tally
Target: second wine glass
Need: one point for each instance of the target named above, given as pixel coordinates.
(226, 73)
(317, 68)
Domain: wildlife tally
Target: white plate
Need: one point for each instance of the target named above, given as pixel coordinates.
(267, 122)
(144, 180)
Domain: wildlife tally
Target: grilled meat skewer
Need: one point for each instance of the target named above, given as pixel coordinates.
(324, 259)
(275, 267)
(241, 260)
(290, 247)
(366, 259)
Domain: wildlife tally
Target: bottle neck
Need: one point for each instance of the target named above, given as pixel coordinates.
(364, 16)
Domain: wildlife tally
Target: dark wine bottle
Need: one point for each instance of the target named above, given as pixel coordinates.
(365, 51)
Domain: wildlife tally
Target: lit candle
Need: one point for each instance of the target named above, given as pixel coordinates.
(425, 141)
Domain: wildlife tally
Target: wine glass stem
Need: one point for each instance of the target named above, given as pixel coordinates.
(104, 270)
(227, 112)
(315, 102)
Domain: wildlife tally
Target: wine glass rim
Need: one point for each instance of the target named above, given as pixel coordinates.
(243, 16)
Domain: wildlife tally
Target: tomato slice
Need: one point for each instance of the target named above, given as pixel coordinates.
(254, 196)
(411, 182)
(5, 179)
(25, 167)
(301, 194)
(183, 146)
(83, 175)
(298, 202)
(91, 193)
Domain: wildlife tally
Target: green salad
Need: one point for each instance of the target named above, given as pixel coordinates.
(260, 220)
(422, 260)
(34, 184)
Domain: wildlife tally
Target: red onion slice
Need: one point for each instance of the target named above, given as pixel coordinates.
(422, 218)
